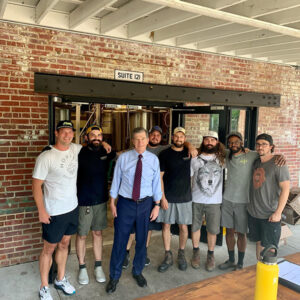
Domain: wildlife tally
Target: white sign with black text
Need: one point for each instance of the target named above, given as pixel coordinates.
(129, 75)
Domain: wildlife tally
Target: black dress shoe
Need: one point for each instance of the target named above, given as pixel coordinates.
(140, 279)
(112, 285)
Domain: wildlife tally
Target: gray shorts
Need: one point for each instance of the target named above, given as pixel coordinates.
(234, 215)
(92, 218)
(212, 214)
(177, 213)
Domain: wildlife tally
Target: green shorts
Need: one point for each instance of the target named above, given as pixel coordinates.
(92, 218)
(212, 214)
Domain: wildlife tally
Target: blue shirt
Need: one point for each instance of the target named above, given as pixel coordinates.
(124, 176)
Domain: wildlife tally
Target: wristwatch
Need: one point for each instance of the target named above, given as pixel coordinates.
(157, 204)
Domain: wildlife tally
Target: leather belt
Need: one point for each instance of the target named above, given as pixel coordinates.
(137, 201)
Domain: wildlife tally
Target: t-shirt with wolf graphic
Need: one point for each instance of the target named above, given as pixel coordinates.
(207, 179)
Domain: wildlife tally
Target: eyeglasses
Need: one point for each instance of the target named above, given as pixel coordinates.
(263, 145)
(236, 143)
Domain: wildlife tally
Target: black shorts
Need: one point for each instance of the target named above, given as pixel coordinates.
(65, 224)
(268, 233)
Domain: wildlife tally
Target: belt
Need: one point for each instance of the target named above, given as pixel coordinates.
(138, 200)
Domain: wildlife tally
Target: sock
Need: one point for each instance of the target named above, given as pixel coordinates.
(231, 255)
(241, 256)
(98, 263)
(127, 251)
(82, 266)
(195, 248)
(210, 252)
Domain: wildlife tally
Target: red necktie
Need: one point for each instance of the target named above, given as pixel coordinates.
(137, 179)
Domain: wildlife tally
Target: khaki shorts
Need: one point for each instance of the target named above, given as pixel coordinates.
(92, 218)
(234, 215)
(212, 214)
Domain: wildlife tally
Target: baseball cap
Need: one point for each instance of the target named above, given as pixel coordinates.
(211, 134)
(234, 133)
(179, 129)
(156, 128)
(266, 137)
(65, 124)
(93, 127)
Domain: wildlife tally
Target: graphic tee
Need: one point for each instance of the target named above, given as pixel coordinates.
(177, 184)
(265, 190)
(58, 169)
(207, 179)
(239, 173)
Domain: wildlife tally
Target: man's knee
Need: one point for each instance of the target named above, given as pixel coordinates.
(64, 243)
(183, 228)
(97, 233)
(166, 227)
(48, 248)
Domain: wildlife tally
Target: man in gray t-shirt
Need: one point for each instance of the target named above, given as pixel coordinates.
(269, 192)
(235, 198)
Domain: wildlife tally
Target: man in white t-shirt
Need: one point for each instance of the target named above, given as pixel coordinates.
(207, 181)
(55, 194)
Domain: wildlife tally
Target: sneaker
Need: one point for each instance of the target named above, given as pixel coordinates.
(210, 263)
(196, 259)
(65, 286)
(147, 263)
(99, 274)
(45, 293)
(83, 277)
(168, 261)
(182, 264)
(126, 261)
(238, 267)
(227, 265)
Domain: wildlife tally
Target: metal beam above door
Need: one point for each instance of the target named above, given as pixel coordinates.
(97, 90)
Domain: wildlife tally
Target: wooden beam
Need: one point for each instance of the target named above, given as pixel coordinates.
(3, 4)
(86, 10)
(43, 7)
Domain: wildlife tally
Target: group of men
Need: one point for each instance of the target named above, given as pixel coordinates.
(154, 184)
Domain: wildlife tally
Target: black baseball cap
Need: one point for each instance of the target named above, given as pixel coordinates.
(65, 124)
(266, 137)
(234, 133)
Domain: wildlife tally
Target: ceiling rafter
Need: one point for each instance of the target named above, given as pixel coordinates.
(43, 8)
(3, 4)
(87, 10)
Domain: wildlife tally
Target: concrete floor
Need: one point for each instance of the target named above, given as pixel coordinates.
(22, 281)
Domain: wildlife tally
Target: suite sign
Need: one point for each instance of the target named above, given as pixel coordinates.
(129, 75)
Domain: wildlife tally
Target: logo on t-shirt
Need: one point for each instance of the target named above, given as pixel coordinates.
(69, 164)
(209, 177)
(258, 177)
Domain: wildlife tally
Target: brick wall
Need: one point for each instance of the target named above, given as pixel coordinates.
(24, 114)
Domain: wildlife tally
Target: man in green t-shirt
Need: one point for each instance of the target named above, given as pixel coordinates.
(235, 198)
(269, 192)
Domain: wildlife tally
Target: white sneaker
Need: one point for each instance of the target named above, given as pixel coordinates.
(45, 293)
(99, 274)
(83, 277)
(65, 286)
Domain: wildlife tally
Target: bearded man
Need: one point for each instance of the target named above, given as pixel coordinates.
(207, 181)
(176, 205)
(92, 192)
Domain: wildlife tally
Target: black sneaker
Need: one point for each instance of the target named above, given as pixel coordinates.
(147, 262)
(126, 261)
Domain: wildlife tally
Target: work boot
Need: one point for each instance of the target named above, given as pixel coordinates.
(196, 259)
(210, 262)
(227, 265)
(168, 261)
(182, 264)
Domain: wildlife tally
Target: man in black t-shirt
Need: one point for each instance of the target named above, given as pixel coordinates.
(92, 195)
(176, 205)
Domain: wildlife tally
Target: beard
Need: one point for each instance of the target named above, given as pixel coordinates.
(153, 144)
(178, 145)
(94, 145)
(233, 151)
(210, 150)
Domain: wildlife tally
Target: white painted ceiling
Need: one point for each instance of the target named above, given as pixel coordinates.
(267, 30)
